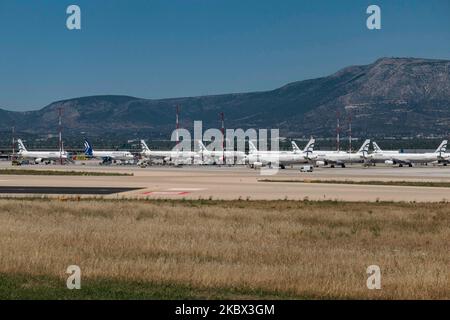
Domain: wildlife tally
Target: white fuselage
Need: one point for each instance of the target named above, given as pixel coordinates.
(43, 155)
(277, 157)
(337, 157)
(172, 156)
(407, 157)
(113, 155)
(218, 157)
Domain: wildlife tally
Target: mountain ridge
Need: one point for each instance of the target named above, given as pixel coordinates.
(391, 96)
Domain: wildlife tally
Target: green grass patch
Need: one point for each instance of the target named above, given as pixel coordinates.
(60, 173)
(371, 182)
(23, 287)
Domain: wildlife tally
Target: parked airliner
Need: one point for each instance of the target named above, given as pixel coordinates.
(439, 156)
(176, 157)
(340, 158)
(220, 156)
(40, 156)
(106, 156)
(257, 158)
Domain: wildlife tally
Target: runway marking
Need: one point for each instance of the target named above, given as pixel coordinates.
(166, 193)
(186, 189)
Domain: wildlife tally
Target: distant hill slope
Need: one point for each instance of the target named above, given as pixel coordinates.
(392, 96)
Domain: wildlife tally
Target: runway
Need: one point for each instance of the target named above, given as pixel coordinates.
(232, 183)
(62, 190)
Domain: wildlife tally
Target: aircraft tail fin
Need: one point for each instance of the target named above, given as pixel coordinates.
(365, 146)
(376, 148)
(21, 146)
(252, 148)
(87, 148)
(201, 146)
(442, 147)
(295, 147)
(144, 146)
(310, 145)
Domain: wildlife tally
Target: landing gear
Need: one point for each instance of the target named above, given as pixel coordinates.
(400, 165)
(343, 165)
(332, 166)
(410, 165)
(282, 166)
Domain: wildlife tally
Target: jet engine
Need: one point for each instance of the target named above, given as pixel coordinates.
(257, 164)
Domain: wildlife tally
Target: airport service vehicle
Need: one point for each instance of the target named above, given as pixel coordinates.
(307, 168)
(220, 156)
(176, 157)
(439, 156)
(107, 156)
(257, 158)
(40, 156)
(16, 163)
(341, 158)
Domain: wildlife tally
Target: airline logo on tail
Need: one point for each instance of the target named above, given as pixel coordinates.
(365, 147)
(252, 148)
(295, 147)
(201, 146)
(21, 146)
(87, 148)
(144, 146)
(310, 146)
(442, 147)
(376, 148)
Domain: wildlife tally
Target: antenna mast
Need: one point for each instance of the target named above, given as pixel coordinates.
(13, 143)
(350, 132)
(337, 131)
(177, 123)
(60, 135)
(223, 136)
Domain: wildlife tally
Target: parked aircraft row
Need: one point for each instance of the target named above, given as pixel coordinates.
(255, 158)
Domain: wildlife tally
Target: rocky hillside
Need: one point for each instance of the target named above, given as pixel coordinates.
(392, 96)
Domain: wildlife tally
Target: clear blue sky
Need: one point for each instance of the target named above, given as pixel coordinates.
(171, 48)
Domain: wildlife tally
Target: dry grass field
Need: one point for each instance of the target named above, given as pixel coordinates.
(224, 249)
